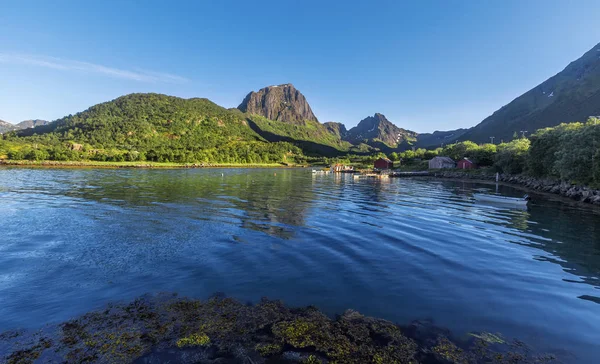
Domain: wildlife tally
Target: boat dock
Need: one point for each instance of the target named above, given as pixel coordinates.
(385, 174)
(409, 174)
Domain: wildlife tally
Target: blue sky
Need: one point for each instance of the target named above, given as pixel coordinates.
(426, 65)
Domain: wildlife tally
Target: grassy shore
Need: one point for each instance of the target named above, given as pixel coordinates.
(98, 164)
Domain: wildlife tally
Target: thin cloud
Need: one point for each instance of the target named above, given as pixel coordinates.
(87, 67)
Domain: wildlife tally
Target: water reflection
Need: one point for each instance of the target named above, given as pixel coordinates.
(267, 202)
(400, 249)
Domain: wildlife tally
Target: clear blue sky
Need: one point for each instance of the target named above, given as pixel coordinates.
(426, 65)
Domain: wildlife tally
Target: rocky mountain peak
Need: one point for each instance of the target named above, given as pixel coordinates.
(278, 102)
(378, 128)
(31, 123)
(6, 126)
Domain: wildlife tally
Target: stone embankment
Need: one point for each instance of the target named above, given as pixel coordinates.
(575, 192)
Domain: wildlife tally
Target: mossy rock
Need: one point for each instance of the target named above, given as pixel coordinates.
(200, 339)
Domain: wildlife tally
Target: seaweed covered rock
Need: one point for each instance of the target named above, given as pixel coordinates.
(222, 330)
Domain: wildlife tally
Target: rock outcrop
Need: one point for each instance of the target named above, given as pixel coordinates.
(6, 127)
(281, 103)
(378, 129)
(31, 123)
(26, 124)
(338, 129)
(575, 192)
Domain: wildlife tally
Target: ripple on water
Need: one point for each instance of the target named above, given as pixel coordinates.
(73, 240)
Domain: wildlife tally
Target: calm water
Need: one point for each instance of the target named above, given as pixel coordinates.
(73, 240)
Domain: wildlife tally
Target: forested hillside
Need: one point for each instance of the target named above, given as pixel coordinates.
(568, 152)
(149, 127)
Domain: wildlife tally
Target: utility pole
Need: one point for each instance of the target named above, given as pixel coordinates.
(594, 164)
(523, 133)
(492, 139)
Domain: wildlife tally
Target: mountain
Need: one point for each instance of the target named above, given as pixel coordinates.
(6, 126)
(31, 123)
(279, 103)
(164, 128)
(336, 128)
(148, 119)
(312, 137)
(377, 131)
(154, 127)
(437, 138)
(571, 95)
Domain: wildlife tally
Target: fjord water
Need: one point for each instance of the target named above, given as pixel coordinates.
(73, 240)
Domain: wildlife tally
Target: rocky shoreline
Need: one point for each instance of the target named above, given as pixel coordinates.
(578, 193)
(166, 328)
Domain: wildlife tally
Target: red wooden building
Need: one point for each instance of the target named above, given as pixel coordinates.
(383, 163)
(465, 164)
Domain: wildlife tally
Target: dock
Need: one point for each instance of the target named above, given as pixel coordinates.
(389, 174)
(410, 174)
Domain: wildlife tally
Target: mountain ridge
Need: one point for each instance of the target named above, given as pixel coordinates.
(5, 126)
(282, 113)
(572, 94)
(378, 131)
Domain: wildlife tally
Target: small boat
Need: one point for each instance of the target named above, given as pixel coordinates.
(521, 201)
(316, 171)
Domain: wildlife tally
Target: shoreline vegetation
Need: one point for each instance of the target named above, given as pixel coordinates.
(548, 186)
(138, 164)
(166, 328)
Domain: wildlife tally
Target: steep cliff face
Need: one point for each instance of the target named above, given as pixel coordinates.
(281, 103)
(378, 129)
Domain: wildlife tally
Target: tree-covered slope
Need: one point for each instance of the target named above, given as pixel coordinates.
(148, 120)
(152, 127)
(313, 137)
(571, 95)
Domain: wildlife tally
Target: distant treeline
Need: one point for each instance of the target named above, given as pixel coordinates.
(569, 152)
(49, 147)
(158, 128)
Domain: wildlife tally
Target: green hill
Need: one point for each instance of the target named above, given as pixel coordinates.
(150, 127)
(313, 137)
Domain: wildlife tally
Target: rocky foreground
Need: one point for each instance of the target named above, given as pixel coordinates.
(221, 330)
(561, 188)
